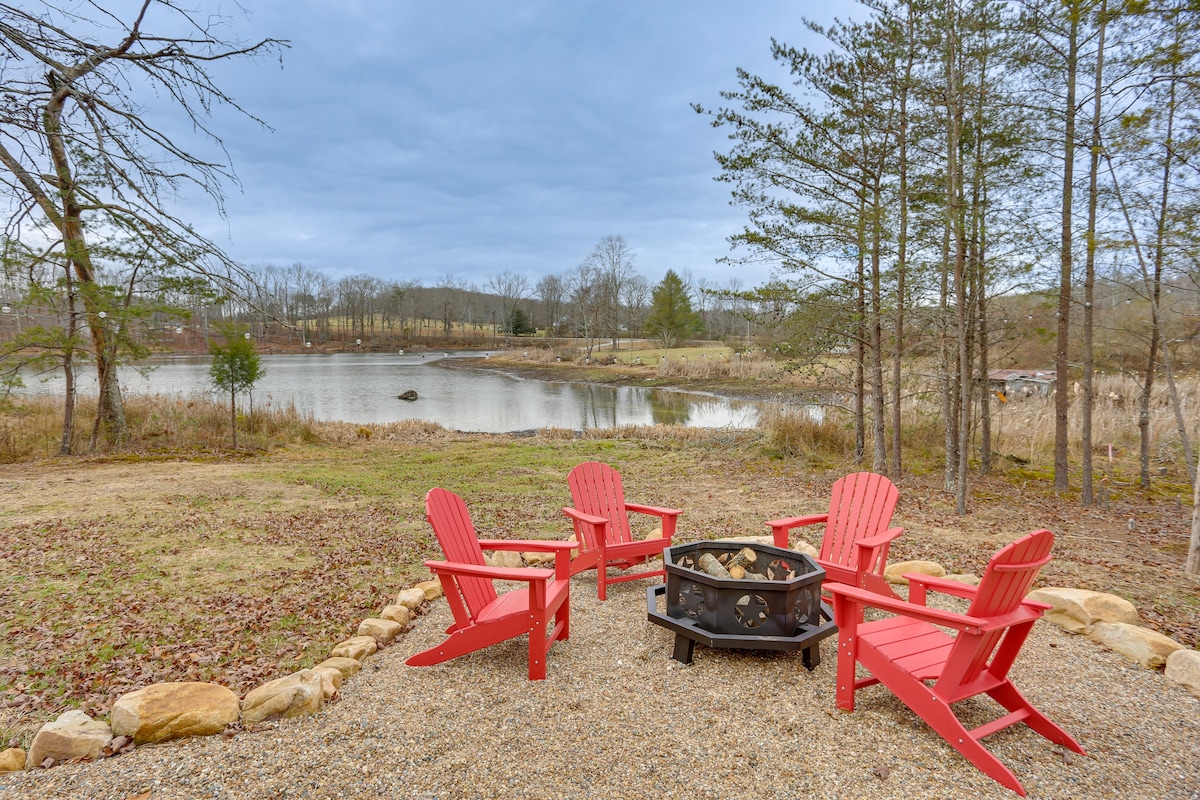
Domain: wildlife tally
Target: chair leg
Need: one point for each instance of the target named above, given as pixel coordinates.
(562, 620)
(1011, 698)
(538, 646)
(942, 719)
(455, 645)
(602, 580)
(846, 657)
(541, 640)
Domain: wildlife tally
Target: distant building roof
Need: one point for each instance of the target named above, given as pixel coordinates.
(1022, 374)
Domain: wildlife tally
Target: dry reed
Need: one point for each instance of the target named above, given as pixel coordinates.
(740, 366)
(34, 428)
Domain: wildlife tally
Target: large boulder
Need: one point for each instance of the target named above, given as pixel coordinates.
(398, 614)
(1077, 609)
(894, 573)
(1148, 648)
(357, 647)
(798, 546)
(432, 589)
(504, 558)
(1183, 667)
(766, 539)
(173, 711)
(383, 631)
(347, 666)
(411, 598)
(73, 735)
(331, 681)
(296, 695)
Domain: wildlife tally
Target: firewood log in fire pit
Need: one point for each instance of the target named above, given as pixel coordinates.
(710, 565)
(743, 558)
(743, 574)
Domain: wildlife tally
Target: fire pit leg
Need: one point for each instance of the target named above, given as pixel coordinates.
(684, 647)
(812, 656)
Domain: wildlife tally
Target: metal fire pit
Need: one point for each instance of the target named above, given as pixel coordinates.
(781, 610)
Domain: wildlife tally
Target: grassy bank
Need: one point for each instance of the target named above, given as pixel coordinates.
(124, 571)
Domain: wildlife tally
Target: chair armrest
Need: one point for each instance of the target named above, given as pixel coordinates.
(536, 545)
(669, 517)
(936, 616)
(638, 547)
(780, 527)
(527, 574)
(589, 519)
(653, 511)
(887, 537)
(795, 522)
(919, 582)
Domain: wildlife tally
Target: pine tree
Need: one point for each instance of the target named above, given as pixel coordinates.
(671, 317)
(235, 368)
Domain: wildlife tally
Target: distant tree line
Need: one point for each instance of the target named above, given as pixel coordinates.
(292, 305)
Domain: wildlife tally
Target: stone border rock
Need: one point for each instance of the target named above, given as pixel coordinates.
(175, 710)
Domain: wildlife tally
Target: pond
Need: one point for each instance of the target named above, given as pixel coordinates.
(365, 388)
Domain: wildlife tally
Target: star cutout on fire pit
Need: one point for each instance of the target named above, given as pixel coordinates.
(750, 610)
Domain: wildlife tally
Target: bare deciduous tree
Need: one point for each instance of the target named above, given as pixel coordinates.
(511, 289)
(550, 290)
(80, 152)
(612, 264)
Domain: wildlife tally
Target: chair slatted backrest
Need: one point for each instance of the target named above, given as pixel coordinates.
(861, 505)
(596, 489)
(447, 514)
(1006, 581)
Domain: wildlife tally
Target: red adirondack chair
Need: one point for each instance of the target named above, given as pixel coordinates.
(601, 522)
(906, 651)
(857, 537)
(481, 617)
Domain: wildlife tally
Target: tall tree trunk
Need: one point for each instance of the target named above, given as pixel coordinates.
(1192, 566)
(1154, 291)
(977, 262)
(860, 354)
(1089, 278)
(68, 426)
(954, 222)
(945, 361)
(110, 412)
(878, 392)
(1062, 345)
(1177, 407)
(901, 247)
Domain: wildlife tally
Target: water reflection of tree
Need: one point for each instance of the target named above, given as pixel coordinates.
(598, 408)
(671, 408)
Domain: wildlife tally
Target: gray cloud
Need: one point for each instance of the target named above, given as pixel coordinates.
(413, 141)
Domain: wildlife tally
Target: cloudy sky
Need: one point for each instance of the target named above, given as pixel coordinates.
(416, 141)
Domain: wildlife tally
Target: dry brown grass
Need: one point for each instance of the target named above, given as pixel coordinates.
(1023, 427)
(738, 366)
(33, 428)
(796, 432)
